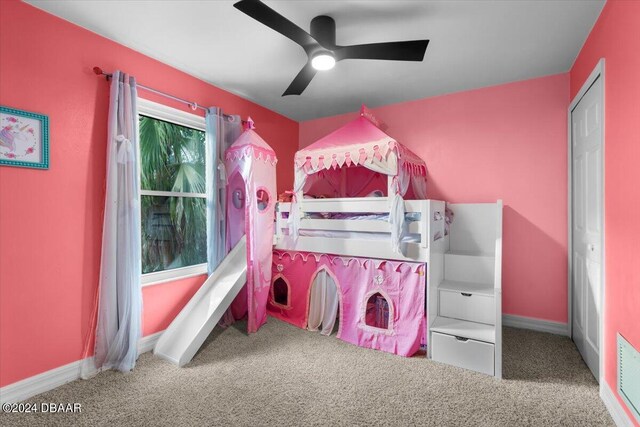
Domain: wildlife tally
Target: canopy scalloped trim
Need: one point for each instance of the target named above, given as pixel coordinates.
(333, 259)
(319, 159)
(316, 160)
(238, 152)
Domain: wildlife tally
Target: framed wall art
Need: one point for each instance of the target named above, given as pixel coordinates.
(24, 139)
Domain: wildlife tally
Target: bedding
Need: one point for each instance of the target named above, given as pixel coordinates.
(362, 235)
(409, 216)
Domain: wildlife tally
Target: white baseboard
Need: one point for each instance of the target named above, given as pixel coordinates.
(614, 407)
(149, 342)
(539, 325)
(40, 383)
(29, 387)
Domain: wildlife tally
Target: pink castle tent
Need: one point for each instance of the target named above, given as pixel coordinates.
(380, 304)
(251, 197)
(363, 151)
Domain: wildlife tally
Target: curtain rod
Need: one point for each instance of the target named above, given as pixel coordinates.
(193, 105)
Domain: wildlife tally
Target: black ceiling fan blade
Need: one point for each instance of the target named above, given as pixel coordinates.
(412, 50)
(272, 19)
(302, 80)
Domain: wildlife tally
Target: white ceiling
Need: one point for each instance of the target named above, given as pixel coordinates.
(473, 44)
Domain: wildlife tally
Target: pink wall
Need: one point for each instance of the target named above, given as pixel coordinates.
(616, 37)
(51, 221)
(158, 314)
(508, 142)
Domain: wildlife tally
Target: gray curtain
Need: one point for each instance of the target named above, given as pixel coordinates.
(221, 132)
(119, 305)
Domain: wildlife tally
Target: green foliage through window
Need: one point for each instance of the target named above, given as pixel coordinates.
(173, 228)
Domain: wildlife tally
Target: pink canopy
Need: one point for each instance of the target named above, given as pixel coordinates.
(362, 144)
(359, 142)
(251, 191)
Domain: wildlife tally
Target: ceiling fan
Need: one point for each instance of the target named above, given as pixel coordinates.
(320, 46)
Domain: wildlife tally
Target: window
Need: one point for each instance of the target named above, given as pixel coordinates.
(262, 199)
(172, 193)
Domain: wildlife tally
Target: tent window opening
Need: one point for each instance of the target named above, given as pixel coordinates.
(377, 311)
(237, 198)
(280, 290)
(262, 199)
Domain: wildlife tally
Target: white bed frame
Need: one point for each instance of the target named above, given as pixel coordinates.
(464, 268)
(431, 222)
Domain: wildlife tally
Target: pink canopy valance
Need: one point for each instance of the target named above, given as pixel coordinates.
(359, 143)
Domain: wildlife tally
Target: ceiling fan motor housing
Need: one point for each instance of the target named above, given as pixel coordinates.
(323, 29)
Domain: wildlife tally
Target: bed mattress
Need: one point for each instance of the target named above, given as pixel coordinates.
(362, 235)
(411, 216)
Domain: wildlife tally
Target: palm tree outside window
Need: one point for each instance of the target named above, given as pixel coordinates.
(173, 195)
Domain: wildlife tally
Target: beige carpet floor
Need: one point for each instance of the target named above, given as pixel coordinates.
(285, 376)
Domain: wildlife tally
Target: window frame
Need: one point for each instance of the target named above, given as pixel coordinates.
(181, 118)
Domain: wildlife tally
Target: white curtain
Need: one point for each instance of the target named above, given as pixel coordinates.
(119, 302)
(398, 186)
(419, 186)
(323, 303)
(299, 180)
(221, 132)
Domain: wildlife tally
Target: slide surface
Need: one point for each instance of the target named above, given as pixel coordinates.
(184, 336)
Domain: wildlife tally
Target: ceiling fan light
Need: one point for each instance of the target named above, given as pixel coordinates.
(323, 61)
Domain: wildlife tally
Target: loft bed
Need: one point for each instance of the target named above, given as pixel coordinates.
(360, 241)
(356, 239)
(357, 186)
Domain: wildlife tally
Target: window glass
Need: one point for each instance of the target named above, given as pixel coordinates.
(174, 232)
(173, 157)
(173, 187)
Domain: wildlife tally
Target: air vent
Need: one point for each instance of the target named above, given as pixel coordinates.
(629, 375)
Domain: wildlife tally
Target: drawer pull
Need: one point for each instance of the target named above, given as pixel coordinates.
(464, 294)
(462, 339)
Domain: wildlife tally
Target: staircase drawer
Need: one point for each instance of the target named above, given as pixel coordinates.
(464, 353)
(467, 306)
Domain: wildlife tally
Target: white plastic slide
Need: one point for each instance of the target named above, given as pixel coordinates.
(184, 336)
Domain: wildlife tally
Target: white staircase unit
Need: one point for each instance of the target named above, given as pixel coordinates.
(185, 335)
(465, 307)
